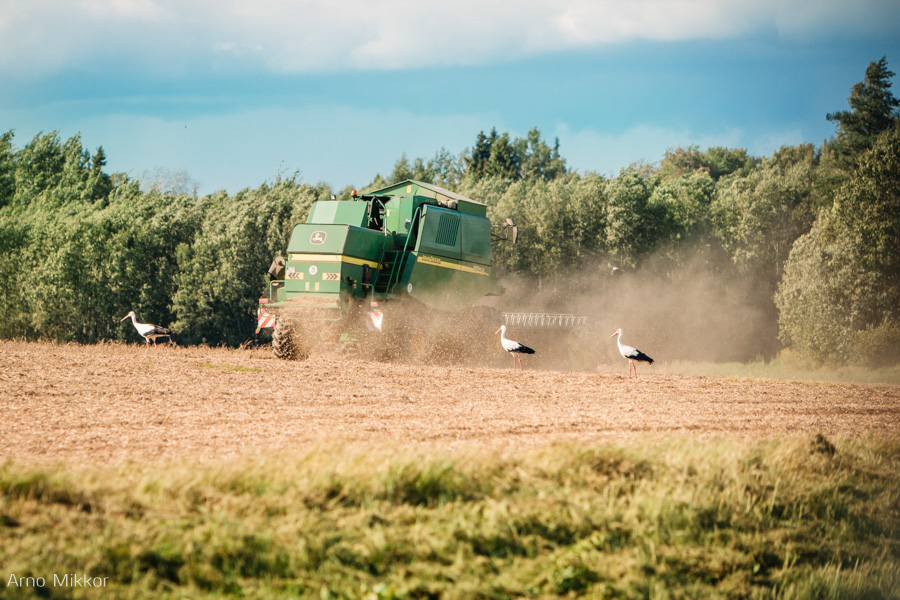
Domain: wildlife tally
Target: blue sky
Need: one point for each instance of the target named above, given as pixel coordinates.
(235, 92)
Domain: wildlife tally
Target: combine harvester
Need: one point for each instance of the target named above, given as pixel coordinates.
(402, 272)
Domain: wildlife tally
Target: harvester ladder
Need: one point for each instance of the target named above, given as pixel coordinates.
(396, 259)
(384, 280)
(379, 266)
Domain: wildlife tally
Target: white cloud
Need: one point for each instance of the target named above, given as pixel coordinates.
(806, 19)
(41, 36)
(591, 23)
(128, 10)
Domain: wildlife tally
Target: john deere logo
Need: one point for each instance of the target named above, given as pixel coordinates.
(317, 238)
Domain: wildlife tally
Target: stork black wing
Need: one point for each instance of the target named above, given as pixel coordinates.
(638, 355)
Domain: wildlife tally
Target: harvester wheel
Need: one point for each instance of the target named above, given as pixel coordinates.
(286, 341)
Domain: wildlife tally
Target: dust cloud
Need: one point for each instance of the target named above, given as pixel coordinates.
(695, 312)
(682, 314)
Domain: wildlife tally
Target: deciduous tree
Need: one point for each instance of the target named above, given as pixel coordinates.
(839, 300)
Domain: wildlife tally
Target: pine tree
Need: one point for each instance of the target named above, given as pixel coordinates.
(505, 161)
(100, 183)
(873, 109)
(481, 155)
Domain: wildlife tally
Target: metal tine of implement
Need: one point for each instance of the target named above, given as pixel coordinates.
(543, 320)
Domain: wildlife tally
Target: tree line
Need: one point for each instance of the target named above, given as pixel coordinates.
(816, 230)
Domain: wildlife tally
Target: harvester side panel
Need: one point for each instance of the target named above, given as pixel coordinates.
(440, 233)
(446, 283)
(455, 235)
(320, 238)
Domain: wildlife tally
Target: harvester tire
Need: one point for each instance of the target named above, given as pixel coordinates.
(285, 341)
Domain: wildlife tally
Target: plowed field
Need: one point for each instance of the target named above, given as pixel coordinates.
(107, 404)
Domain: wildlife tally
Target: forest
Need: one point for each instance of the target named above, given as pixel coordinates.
(810, 234)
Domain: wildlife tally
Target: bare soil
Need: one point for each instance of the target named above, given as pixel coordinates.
(113, 403)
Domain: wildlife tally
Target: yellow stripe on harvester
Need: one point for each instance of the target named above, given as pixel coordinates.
(437, 262)
(332, 258)
(422, 258)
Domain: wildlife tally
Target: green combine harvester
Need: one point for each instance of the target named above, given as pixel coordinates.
(399, 272)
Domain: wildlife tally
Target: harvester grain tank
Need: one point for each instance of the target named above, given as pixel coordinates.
(387, 262)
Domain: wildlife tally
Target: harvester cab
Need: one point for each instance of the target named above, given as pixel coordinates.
(378, 263)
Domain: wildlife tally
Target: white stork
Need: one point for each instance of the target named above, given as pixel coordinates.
(514, 348)
(146, 330)
(631, 354)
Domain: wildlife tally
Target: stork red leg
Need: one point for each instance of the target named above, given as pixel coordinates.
(514, 348)
(630, 354)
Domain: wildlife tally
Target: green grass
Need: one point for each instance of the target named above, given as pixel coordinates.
(673, 519)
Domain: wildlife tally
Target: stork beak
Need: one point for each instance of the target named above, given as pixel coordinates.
(498, 331)
(615, 333)
(123, 318)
